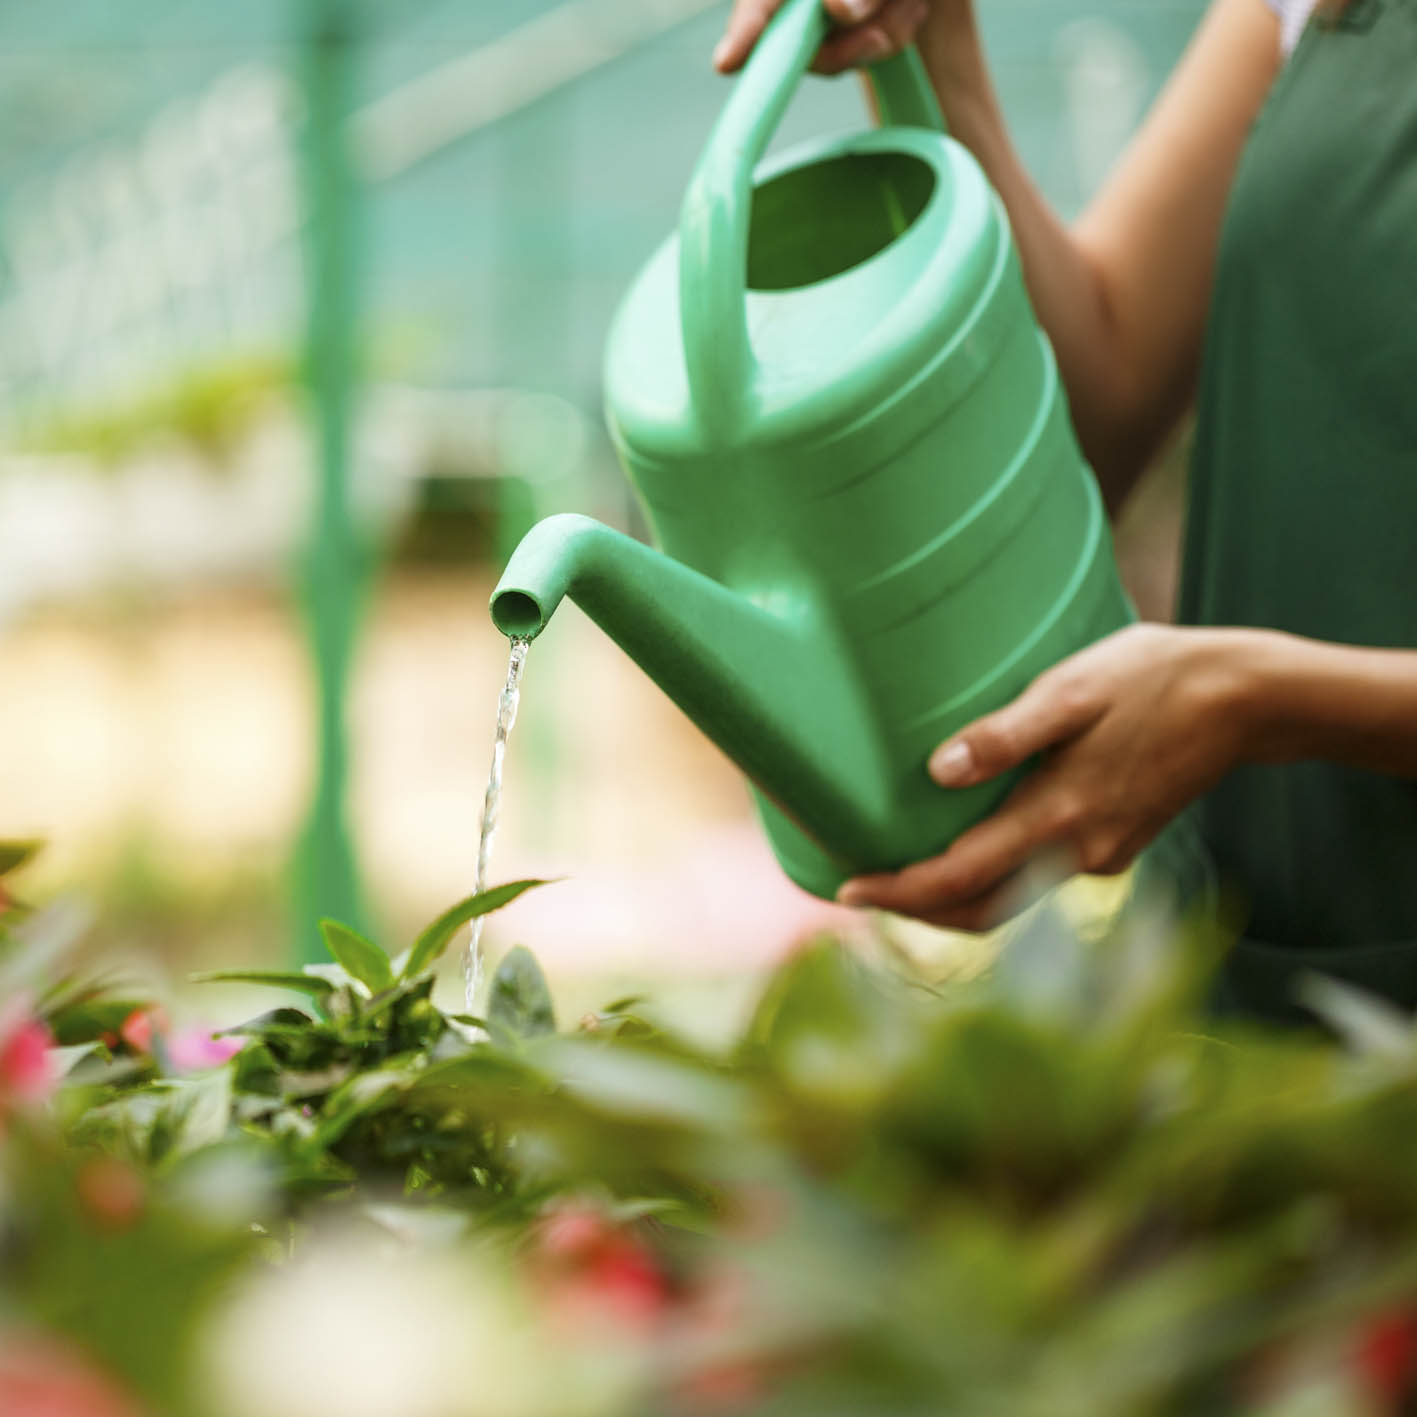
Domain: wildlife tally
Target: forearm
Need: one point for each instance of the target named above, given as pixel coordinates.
(1123, 294)
(1067, 290)
(1308, 699)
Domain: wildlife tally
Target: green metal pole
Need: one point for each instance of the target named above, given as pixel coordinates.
(335, 567)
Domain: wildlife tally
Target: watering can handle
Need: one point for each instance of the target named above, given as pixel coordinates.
(713, 222)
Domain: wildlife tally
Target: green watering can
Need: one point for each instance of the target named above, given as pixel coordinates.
(852, 445)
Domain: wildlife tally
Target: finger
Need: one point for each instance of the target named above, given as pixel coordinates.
(1047, 712)
(987, 911)
(980, 915)
(749, 18)
(1011, 897)
(890, 30)
(746, 22)
(1030, 822)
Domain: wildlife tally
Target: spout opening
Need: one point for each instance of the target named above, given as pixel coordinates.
(517, 614)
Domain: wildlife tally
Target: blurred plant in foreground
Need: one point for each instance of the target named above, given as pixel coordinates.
(1056, 1190)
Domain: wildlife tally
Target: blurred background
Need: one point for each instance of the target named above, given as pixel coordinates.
(301, 316)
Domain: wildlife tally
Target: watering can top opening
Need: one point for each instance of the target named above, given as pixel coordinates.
(803, 294)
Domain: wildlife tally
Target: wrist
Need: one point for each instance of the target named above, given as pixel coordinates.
(1272, 675)
(1286, 699)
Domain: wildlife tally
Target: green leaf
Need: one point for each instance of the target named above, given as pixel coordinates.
(519, 1000)
(203, 1110)
(830, 1030)
(622, 1005)
(633, 1083)
(361, 1095)
(35, 948)
(274, 1023)
(435, 938)
(88, 1021)
(310, 984)
(254, 1070)
(14, 854)
(482, 1078)
(65, 1060)
(360, 957)
(305, 1082)
(132, 1123)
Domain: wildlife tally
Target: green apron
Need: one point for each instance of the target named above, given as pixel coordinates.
(1303, 503)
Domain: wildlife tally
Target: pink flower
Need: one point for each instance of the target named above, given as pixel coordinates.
(196, 1048)
(26, 1070)
(41, 1378)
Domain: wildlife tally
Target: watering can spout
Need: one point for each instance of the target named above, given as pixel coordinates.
(766, 685)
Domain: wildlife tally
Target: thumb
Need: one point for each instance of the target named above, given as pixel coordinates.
(1037, 719)
(746, 21)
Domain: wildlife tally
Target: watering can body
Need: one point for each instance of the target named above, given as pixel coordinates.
(851, 442)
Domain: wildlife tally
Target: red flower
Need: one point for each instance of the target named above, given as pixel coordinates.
(572, 1234)
(140, 1027)
(1387, 1354)
(111, 1192)
(728, 1386)
(627, 1282)
(715, 1310)
(596, 1270)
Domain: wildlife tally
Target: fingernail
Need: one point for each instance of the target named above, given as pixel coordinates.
(953, 764)
(857, 10)
(720, 54)
(850, 894)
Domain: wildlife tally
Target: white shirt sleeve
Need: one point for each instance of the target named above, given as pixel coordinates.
(1293, 16)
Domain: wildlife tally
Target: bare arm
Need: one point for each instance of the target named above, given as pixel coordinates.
(1124, 293)
(1133, 728)
(1309, 699)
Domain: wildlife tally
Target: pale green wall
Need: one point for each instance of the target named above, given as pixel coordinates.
(498, 260)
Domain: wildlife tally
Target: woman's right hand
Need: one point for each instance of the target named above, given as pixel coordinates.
(867, 31)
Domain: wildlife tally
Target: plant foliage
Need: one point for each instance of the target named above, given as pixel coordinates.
(1059, 1190)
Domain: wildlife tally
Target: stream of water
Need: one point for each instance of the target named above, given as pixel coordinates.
(491, 808)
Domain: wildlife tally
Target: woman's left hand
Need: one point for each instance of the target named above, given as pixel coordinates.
(1132, 729)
